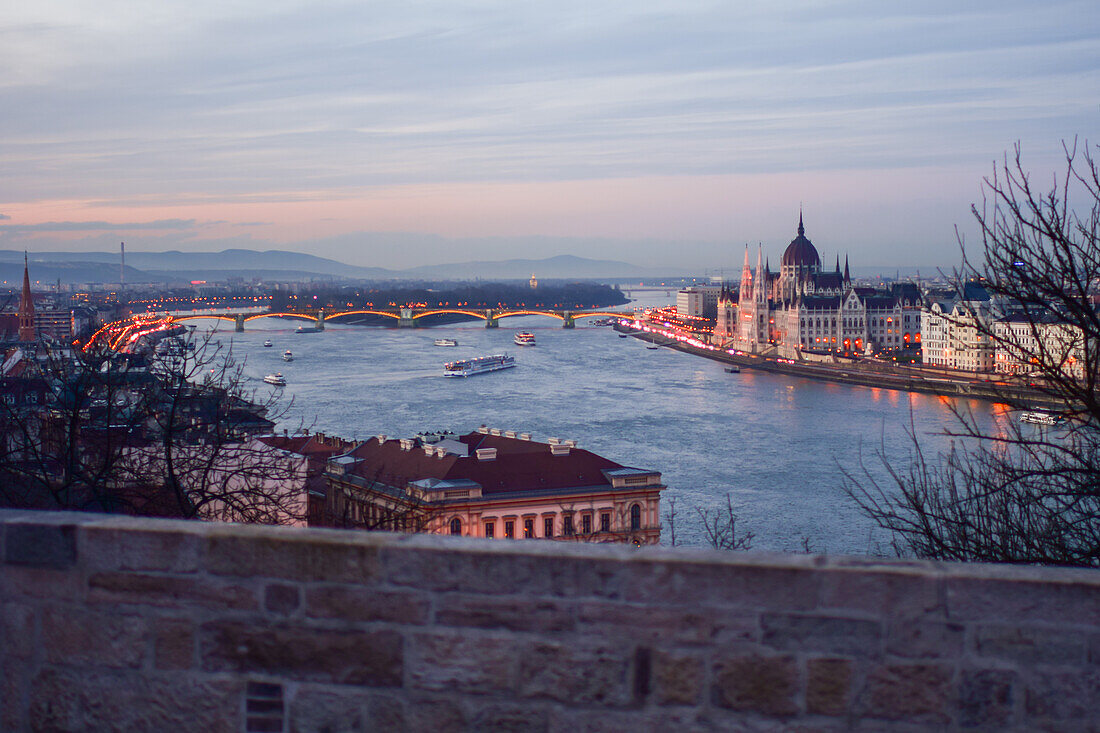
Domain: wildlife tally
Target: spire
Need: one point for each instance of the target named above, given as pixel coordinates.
(26, 306)
(837, 263)
(801, 229)
(846, 278)
(760, 281)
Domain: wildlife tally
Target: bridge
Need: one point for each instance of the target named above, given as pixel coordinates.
(405, 317)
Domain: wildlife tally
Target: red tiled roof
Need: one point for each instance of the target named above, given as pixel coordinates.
(519, 465)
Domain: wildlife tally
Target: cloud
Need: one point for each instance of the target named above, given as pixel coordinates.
(97, 226)
(4, 217)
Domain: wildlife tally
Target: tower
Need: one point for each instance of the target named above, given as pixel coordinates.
(26, 307)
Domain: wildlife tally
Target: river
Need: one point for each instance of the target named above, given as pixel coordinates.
(778, 445)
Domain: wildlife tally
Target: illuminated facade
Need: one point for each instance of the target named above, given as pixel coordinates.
(804, 309)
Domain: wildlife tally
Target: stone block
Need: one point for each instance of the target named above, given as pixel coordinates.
(691, 626)
(303, 653)
(828, 686)
(766, 685)
(170, 591)
(92, 639)
(291, 557)
(917, 639)
(173, 644)
(678, 679)
(727, 585)
(514, 614)
(17, 635)
(464, 664)
(133, 549)
(1062, 696)
(466, 572)
(1022, 601)
(986, 698)
(436, 715)
(12, 694)
(1031, 645)
(823, 634)
(23, 582)
(510, 719)
(366, 604)
(911, 692)
(282, 599)
(40, 545)
(882, 594)
(596, 675)
(316, 709)
(86, 700)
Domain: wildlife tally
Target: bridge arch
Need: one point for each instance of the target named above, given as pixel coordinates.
(509, 314)
(330, 316)
(301, 316)
(207, 317)
(458, 311)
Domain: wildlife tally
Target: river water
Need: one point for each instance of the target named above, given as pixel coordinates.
(778, 445)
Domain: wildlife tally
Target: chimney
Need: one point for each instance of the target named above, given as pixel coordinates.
(524, 436)
(407, 444)
(560, 449)
(495, 431)
(382, 438)
(483, 430)
(486, 454)
(554, 441)
(570, 443)
(509, 433)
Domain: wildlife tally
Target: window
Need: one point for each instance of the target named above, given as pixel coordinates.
(586, 524)
(548, 527)
(510, 529)
(528, 528)
(489, 529)
(456, 526)
(635, 517)
(567, 525)
(605, 522)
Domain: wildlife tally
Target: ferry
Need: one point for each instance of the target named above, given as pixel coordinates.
(446, 342)
(288, 355)
(1040, 418)
(524, 338)
(733, 369)
(307, 329)
(268, 344)
(277, 379)
(467, 367)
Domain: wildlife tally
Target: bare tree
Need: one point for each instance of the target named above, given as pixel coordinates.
(1007, 492)
(720, 528)
(160, 434)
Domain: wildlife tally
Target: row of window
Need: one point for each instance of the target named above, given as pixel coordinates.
(568, 529)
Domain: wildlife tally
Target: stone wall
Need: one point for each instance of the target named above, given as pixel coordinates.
(116, 623)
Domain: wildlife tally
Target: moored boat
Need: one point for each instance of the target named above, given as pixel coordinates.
(524, 338)
(469, 367)
(307, 329)
(277, 379)
(446, 342)
(733, 369)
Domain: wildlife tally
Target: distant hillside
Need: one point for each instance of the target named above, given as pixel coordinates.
(174, 266)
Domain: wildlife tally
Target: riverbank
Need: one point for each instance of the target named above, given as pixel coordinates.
(865, 373)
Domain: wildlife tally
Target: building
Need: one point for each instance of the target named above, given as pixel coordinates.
(955, 331)
(699, 301)
(804, 310)
(493, 484)
(1027, 344)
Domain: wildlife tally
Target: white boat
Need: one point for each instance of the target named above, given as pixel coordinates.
(1040, 418)
(733, 369)
(288, 355)
(652, 346)
(277, 379)
(446, 342)
(524, 338)
(468, 367)
(268, 343)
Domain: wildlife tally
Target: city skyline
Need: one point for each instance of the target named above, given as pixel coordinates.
(395, 135)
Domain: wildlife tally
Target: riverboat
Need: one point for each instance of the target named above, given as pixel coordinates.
(276, 379)
(469, 367)
(288, 355)
(307, 329)
(652, 347)
(1040, 418)
(733, 369)
(446, 342)
(524, 338)
(268, 344)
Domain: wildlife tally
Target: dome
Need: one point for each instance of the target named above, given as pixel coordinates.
(801, 253)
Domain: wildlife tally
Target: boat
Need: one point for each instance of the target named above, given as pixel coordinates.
(268, 344)
(652, 346)
(288, 355)
(446, 342)
(603, 321)
(307, 329)
(277, 379)
(622, 335)
(524, 338)
(468, 367)
(733, 369)
(1040, 418)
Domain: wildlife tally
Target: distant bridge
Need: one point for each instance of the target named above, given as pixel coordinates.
(403, 317)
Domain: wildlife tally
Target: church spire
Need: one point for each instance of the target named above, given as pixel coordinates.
(26, 306)
(801, 229)
(846, 278)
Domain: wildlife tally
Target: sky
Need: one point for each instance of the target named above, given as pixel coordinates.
(665, 134)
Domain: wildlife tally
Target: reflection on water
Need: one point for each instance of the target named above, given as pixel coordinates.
(779, 444)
